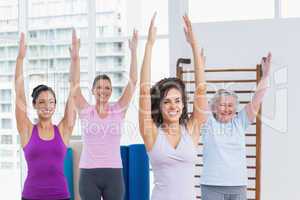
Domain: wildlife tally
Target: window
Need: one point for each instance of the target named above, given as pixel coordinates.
(6, 153)
(6, 139)
(230, 10)
(6, 108)
(6, 165)
(49, 26)
(6, 124)
(5, 95)
(33, 35)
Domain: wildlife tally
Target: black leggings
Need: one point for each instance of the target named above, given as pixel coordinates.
(107, 183)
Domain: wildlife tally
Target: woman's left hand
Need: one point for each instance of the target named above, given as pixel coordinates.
(188, 31)
(266, 65)
(74, 50)
(133, 42)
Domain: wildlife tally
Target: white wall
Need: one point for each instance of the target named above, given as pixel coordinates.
(242, 44)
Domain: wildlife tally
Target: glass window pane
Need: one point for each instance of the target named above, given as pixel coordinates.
(6, 124)
(50, 25)
(9, 170)
(6, 139)
(112, 53)
(230, 10)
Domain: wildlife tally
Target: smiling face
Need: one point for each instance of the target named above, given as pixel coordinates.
(172, 106)
(45, 105)
(102, 90)
(225, 108)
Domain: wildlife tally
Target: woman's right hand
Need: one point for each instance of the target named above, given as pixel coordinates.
(152, 31)
(22, 47)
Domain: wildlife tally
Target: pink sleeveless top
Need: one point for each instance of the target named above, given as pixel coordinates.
(101, 138)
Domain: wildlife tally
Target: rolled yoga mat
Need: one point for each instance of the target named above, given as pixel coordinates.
(139, 186)
(68, 171)
(125, 156)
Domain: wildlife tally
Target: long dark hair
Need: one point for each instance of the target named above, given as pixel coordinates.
(41, 88)
(159, 91)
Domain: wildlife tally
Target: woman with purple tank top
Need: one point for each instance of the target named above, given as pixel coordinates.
(44, 144)
(170, 136)
(100, 162)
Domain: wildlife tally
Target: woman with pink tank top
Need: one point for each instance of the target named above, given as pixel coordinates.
(170, 136)
(44, 144)
(100, 162)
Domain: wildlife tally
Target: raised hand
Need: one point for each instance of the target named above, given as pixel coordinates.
(266, 65)
(152, 31)
(133, 42)
(22, 47)
(74, 50)
(188, 31)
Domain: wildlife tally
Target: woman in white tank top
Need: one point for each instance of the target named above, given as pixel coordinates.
(170, 136)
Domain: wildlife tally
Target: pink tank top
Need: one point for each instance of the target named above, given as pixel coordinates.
(101, 138)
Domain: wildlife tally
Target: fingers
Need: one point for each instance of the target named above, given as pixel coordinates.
(74, 37)
(22, 37)
(152, 28)
(135, 35)
(153, 19)
(269, 57)
(187, 28)
(134, 39)
(185, 31)
(187, 22)
(22, 40)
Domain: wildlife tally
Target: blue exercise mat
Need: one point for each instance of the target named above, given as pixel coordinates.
(125, 162)
(139, 186)
(68, 171)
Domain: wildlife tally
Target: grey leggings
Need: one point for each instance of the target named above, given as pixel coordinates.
(107, 183)
(223, 192)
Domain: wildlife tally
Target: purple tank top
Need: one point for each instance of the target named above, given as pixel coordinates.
(45, 161)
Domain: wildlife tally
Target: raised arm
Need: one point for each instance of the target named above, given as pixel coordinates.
(252, 108)
(200, 105)
(24, 125)
(130, 88)
(79, 100)
(147, 127)
(67, 123)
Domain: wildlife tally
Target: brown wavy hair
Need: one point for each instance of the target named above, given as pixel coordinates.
(159, 91)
